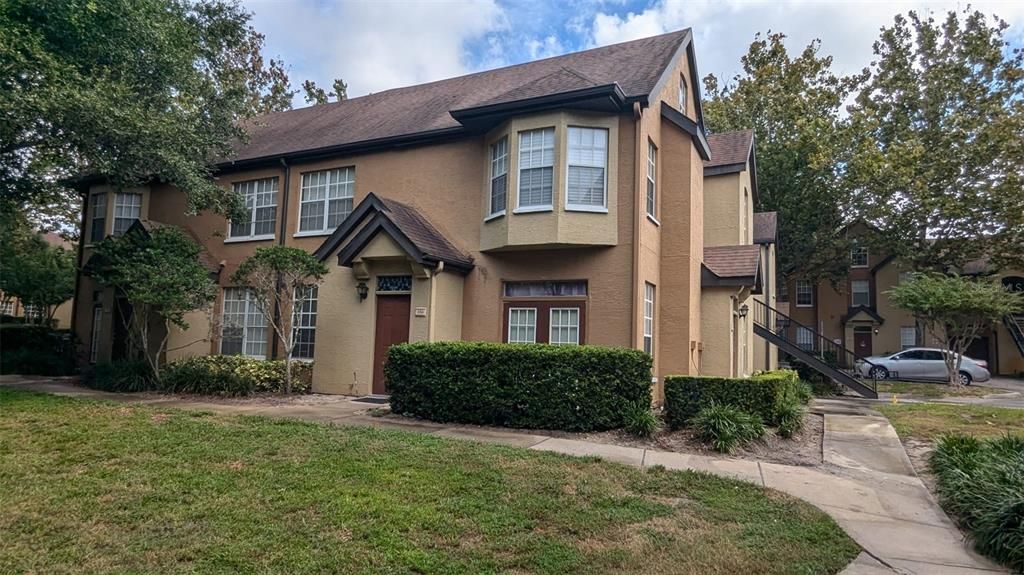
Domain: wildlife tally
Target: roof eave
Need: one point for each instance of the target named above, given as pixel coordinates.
(690, 127)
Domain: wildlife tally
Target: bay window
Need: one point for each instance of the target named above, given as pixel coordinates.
(127, 209)
(498, 192)
(536, 169)
(98, 207)
(587, 169)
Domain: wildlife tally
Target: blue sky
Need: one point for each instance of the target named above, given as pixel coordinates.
(376, 45)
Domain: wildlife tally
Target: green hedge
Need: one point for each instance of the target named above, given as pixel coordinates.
(29, 349)
(760, 395)
(573, 388)
(233, 375)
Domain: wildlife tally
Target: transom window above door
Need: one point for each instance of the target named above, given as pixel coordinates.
(559, 288)
(326, 198)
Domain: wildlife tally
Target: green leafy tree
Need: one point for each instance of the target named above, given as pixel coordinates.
(160, 275)
(792, 103)
(282, 280)
(316, 95)
(936, 161)
(33, 271)
(130, 90)
(955, 310)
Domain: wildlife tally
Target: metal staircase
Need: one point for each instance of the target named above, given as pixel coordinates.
(1015, 324)
(820, 353)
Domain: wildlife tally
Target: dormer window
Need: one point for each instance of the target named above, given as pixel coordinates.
(682, 94)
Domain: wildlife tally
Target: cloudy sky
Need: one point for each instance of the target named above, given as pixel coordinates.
(379, 44)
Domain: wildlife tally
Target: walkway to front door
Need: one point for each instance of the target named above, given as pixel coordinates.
(392, 328)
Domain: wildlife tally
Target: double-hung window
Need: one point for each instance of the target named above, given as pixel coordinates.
(6, 307)
(244, 329)
(859, 256)
(326, 199)
(127, 209)
(682, 94)
(860, 293)
(908, 336)
(565, 326)
(498, 192)
(260, 200)
(587, 169)
(522, 325)
(652, 182)
(649, 319)
(905, 277)
(804, 338)
(536, 169)
(804, 293)
(304, 324)
(98, 207)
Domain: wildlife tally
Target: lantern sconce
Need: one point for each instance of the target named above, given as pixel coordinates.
(362, 290)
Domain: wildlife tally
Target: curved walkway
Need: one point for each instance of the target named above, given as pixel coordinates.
(867, 483)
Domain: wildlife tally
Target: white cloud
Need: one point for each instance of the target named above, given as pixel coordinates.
(374, 45)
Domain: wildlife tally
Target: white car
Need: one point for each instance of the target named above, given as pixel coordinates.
(921, 363)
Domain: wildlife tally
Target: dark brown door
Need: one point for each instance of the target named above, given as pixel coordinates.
(392, 328)
(862, 342)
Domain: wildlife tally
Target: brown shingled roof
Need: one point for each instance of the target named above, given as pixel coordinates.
(635, 66)
(732, 261)
(765, 227)
(423, 234)
(729, 148)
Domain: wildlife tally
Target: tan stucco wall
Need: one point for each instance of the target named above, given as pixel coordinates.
(446, 307)
(728, 220)
(195, 340)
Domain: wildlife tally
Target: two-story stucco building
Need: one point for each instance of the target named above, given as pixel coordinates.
(560, 201)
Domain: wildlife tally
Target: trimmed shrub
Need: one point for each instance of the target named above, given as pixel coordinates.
(124, 376)
(232, 375)
(641, 421)
(573, 388)
(29, 349)
(761, 395)
(724, 427)
(981, 483)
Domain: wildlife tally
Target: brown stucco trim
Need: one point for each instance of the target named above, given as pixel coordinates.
(690, 127)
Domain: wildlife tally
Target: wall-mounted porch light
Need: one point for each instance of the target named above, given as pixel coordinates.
(362, 290)
(743, 310)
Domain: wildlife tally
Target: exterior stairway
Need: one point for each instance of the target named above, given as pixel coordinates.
(821, 353)
(1015, 324)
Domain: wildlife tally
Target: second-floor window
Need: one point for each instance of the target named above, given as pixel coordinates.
(859, 256)
(498, 193)
(588, 159)
(99, 217)
(652, 184)
(536, 168)
(682, 94)
(804, 293)
(860, 293)
(127, 209)
(260, 199)
(326, 199)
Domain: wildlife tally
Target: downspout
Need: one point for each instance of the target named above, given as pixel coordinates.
(635, 291)
(432, 309)
(283, 228)
(768, 301)
(78, 274)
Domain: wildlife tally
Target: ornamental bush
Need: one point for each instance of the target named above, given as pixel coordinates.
(572, 388)
(232, 375)
(36, 350)
(763, 395)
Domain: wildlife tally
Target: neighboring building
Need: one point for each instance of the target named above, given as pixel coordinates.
(559, 201)
(14, 307)
(858, 314)
(739, 259)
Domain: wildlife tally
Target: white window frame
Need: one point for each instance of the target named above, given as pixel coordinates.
(854, 292)
(341, 180)
(804, 338)
(810, 291)
(569, 165)
(904, 277)
(122, 206)
(498, 160)
(250, 310)
(97, 201)
(32, 311)
(683, 96)
(237, 187)
(649, 311)
(94, 332)
(904, 330)
(552, 326)
(304, 319)
(520, 208)
(651, 193)
(7, 308)
(508, 336)
(856, 251)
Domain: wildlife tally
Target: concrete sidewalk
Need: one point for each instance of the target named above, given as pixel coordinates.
(867, 483)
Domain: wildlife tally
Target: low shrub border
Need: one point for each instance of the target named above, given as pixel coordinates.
(980, 483)
(225, 375)
(30, 349)
(572, 388)
(763, 395)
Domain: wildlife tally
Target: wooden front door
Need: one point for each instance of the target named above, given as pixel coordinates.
(862, 342)
(392, 328)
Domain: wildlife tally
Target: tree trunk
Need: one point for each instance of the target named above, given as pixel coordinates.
(288, 373)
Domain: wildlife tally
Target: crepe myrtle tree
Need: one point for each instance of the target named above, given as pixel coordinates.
(955, 310)
(281, 280)
(160, 275)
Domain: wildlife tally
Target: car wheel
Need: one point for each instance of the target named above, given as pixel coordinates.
(965, 378)
(879, 372)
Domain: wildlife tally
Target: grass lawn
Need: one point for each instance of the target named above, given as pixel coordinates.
(934, 390)
(100, 488)
(927, 421)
